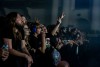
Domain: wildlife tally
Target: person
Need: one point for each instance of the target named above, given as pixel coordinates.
(53, 56)
(37, 43)
(4, 53)
(26, 31)
(14, 37)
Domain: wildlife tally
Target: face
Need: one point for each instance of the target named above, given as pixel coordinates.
(24, 19)
(19, 20)
(38, 30)
(26, 30)
(44, 29)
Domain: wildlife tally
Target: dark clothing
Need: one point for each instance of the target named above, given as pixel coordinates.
(2, 63)
(34, 42)
(16, 44)
(38, 56)
(53, 39)
(69, 52)
(52, 55)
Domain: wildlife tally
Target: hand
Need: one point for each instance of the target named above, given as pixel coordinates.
(37, 20)
(60, 18)
(62, 15)
(43, 34)
(4, 55)
(29, 59)
(29, 64)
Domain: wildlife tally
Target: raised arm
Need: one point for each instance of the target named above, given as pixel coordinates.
(59, 21)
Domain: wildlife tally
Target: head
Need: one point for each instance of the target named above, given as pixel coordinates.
(36, 28)
(24, 20)
(74, 31)
(63, 30)
(43, 28)
(26, 30)
(14, 18)
(63, 64)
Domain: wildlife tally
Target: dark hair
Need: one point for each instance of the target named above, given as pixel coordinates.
(73, 30)
(34, 26)
(10, 19)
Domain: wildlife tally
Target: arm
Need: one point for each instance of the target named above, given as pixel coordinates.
(43, 47)
(58, 24)
(24, 47)
(26, 52)
(15, 52)
(11, 50)
(4, 54)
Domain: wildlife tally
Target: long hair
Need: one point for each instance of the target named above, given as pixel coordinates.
(11, 18)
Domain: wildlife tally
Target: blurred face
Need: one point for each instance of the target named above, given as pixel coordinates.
(19, 20)
(26, 30)
(44, 29)
(38, 30)
(24, 19)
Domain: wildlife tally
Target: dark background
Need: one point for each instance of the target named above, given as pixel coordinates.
(84, 14)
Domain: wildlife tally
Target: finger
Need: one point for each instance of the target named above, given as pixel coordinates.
(5, 53)
(63, 15)
(4, 56)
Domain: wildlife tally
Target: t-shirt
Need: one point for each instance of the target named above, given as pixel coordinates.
(16, 44)
(34, 41)
(38, 56)
(8, 33)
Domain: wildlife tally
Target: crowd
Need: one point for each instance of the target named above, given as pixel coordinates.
(32, 44)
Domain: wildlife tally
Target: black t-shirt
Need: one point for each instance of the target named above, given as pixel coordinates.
(35, 42)
(1, 40)
(16, 42)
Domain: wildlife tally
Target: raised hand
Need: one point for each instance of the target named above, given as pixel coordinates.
(37, 20)
(62, 15)
(59, 20)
